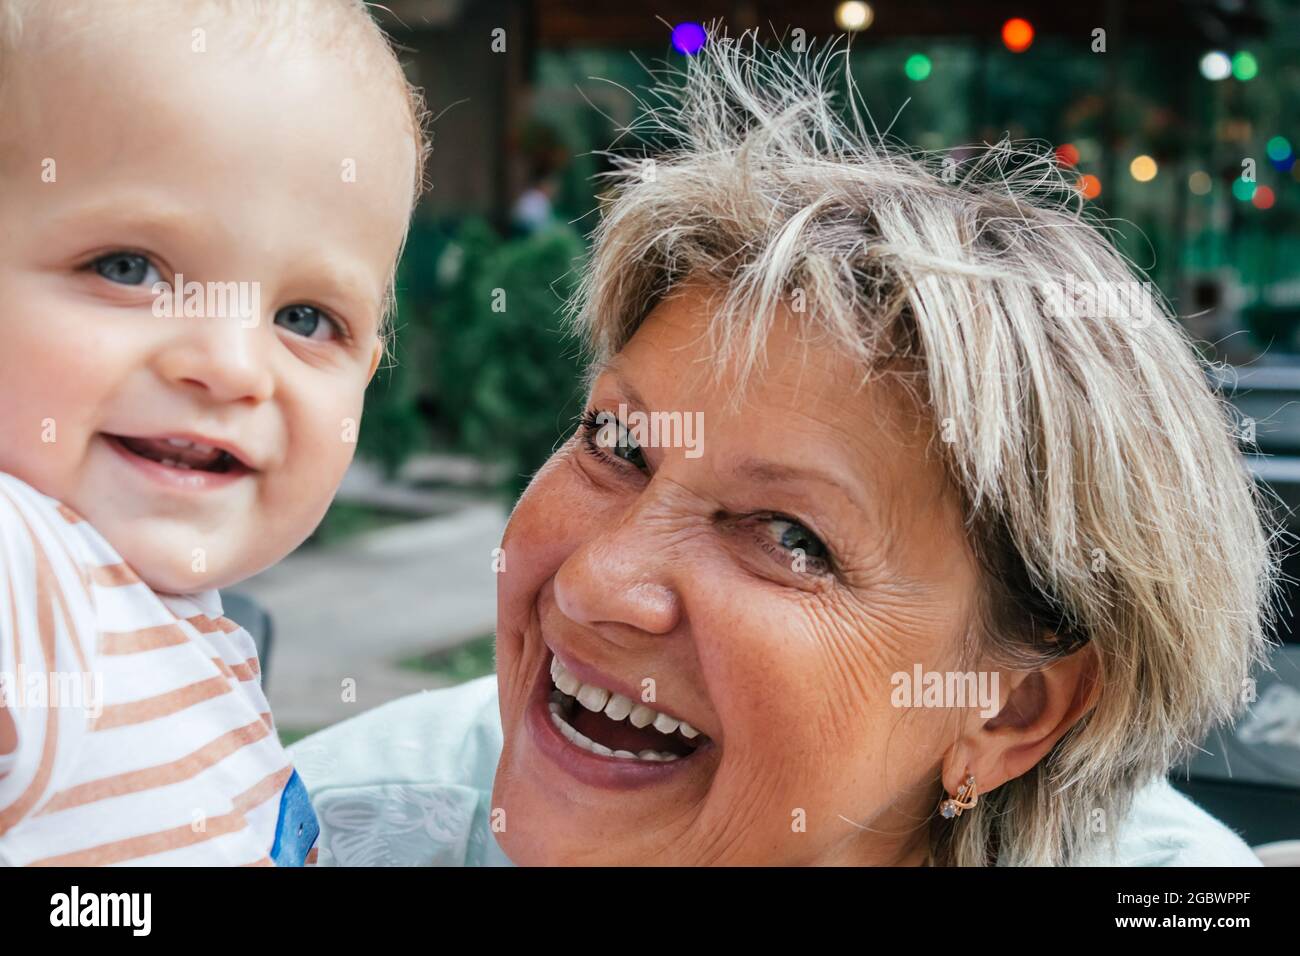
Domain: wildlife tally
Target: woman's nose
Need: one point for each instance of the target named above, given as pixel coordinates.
(222, 356)
(616, 579)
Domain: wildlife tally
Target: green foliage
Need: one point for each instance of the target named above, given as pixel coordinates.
(525, 394)
(474, 369)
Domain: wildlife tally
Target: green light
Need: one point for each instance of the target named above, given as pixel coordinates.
(1244, 65)
(917, 67)
(1243, 190)
(1278, 148)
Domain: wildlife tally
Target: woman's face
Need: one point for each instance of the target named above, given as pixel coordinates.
(762, 585)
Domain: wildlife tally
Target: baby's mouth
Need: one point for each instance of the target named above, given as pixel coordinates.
(181, 453)
(611, 725)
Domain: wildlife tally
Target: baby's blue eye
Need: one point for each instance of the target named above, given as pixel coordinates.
(304, 320)
(127, 268)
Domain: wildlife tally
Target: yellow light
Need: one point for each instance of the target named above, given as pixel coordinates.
(854, 15)
(1143, 168)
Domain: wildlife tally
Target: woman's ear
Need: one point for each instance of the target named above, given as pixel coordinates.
(1040, 708)
(374, 359)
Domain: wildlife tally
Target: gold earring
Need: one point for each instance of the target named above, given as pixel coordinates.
(965, 799)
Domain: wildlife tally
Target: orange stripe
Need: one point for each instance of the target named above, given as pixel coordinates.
(262, 791)
(144, 639)
(311, 856)
(161, 705)
(203, 624)
(113, 575)
(70, 516)
(248, 670)
(226, 625)
(119, 851)
(45, 598)
(224, 668)
(162, 775)
(83, 579)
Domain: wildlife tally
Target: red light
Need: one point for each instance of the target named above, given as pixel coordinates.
(1067, 154)
(1263, 198)
(1017, 34)
(1090, 186)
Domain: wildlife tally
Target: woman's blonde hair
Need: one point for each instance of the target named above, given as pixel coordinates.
(1104, 492)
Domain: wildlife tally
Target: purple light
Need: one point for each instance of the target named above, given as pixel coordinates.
(688, 38)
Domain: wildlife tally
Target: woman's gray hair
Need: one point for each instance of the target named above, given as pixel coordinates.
(1105, 495)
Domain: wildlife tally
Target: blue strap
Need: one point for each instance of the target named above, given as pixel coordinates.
(297, 828)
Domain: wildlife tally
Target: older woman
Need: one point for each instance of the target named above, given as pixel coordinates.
(886, 539)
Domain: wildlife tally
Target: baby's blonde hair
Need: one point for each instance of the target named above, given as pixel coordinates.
(338, 24)
(1103, 488)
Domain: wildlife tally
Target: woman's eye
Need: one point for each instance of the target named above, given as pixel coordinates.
(127, 268)
(305, 320)
(605, 433)
(794, 538)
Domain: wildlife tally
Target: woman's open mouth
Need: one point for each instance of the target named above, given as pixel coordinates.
(611, 725)
(603, 738)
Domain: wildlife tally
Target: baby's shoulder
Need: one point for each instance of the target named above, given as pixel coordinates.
(32, 517)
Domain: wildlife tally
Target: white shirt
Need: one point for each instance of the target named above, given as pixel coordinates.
(410, 784)
(143, 736)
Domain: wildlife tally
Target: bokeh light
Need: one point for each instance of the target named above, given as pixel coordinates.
(1017, 35)
(1090, 186)
(1243, 189)
(1215, 65)
(917, 67)
(1143, 168)
(1067, 154)
(1244, 65)
(1200, 182)
(689, 38)
(1263, 198)
(1278, 148)
(853, 16)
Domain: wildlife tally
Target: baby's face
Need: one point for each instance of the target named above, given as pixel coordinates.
(203, 448)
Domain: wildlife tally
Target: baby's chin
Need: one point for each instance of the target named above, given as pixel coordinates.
(202, 564)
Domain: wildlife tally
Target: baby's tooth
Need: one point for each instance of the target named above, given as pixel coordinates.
(650, 755)
(601, 749)
(555, 668)
(593, 698)
(625, 754)
(665, 724)
(688, 731)
(618, 707)
(641, 715)
(179, 443)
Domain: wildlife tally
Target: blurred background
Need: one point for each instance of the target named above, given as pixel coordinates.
(1178, 118)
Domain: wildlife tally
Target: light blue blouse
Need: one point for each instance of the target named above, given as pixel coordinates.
(410, 784)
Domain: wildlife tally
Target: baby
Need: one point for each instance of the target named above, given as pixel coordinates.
(201, 208)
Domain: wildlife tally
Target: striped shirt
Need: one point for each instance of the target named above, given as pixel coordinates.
(134, 728)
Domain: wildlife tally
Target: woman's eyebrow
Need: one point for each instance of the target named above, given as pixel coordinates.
(763, 471)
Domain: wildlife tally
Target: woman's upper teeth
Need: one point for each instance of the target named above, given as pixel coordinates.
(616, 706)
